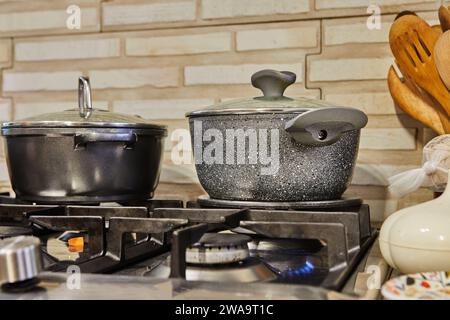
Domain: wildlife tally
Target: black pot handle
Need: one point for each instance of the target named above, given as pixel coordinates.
(273, 83)
(82, 139)
(325, 126)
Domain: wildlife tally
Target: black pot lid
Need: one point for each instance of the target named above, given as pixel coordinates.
(273, 84)
(84, 117)
(71, 119)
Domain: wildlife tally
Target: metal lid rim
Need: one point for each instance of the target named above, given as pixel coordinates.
(244, 112)
(72, 124)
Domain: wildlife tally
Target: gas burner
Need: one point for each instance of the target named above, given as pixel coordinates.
(9, 231)
(249, 270)
(218, 248)
(207, 202)
(220, 257)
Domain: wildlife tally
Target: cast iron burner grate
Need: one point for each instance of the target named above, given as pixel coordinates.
(171, 227)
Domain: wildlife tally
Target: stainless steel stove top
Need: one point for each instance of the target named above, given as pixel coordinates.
(166, 242)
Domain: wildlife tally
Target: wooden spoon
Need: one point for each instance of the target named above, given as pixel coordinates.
(412, 103)
(444, 18)
(412, 42)
(442, 57)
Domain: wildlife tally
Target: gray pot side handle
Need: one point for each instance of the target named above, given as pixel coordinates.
(83, 139)
(273, 83)
(325, 126)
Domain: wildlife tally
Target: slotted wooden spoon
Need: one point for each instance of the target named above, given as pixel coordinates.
(424, 107)
(412, 102)
(412, 42)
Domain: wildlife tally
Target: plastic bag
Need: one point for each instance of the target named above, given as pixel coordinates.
(433, 173)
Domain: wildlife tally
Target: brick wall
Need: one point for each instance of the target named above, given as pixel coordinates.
(162, 58)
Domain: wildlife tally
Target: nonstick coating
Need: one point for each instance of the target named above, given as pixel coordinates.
(306, 173)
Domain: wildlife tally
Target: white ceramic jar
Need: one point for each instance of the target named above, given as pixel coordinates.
(417, 239)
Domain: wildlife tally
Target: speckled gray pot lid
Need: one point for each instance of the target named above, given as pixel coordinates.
(273, 84)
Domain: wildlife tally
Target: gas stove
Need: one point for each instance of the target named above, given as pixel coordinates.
(201, 250)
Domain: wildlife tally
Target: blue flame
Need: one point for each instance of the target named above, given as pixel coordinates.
(304, 270)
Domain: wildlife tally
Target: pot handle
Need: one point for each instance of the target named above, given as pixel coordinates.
(82, 139)
(325, 126)
(84, 97)
(273, 83)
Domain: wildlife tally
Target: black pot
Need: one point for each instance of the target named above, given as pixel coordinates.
(84, 155)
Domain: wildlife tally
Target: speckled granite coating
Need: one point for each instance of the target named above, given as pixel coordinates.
(305, 173)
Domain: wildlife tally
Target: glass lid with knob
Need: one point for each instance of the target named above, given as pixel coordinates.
(84, 117)
(273, 84)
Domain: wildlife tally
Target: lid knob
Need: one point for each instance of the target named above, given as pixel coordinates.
(84, 97)
(20, 259)
(273, 83)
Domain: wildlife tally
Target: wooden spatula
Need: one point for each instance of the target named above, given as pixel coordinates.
(442, 57)
(413, 103)
(412, 42)
(444, 18)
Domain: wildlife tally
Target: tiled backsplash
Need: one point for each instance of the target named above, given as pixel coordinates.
(163, 58)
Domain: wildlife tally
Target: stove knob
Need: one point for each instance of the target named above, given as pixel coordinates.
(20, 259)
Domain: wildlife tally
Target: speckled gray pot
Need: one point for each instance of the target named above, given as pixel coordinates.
(306, 173)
